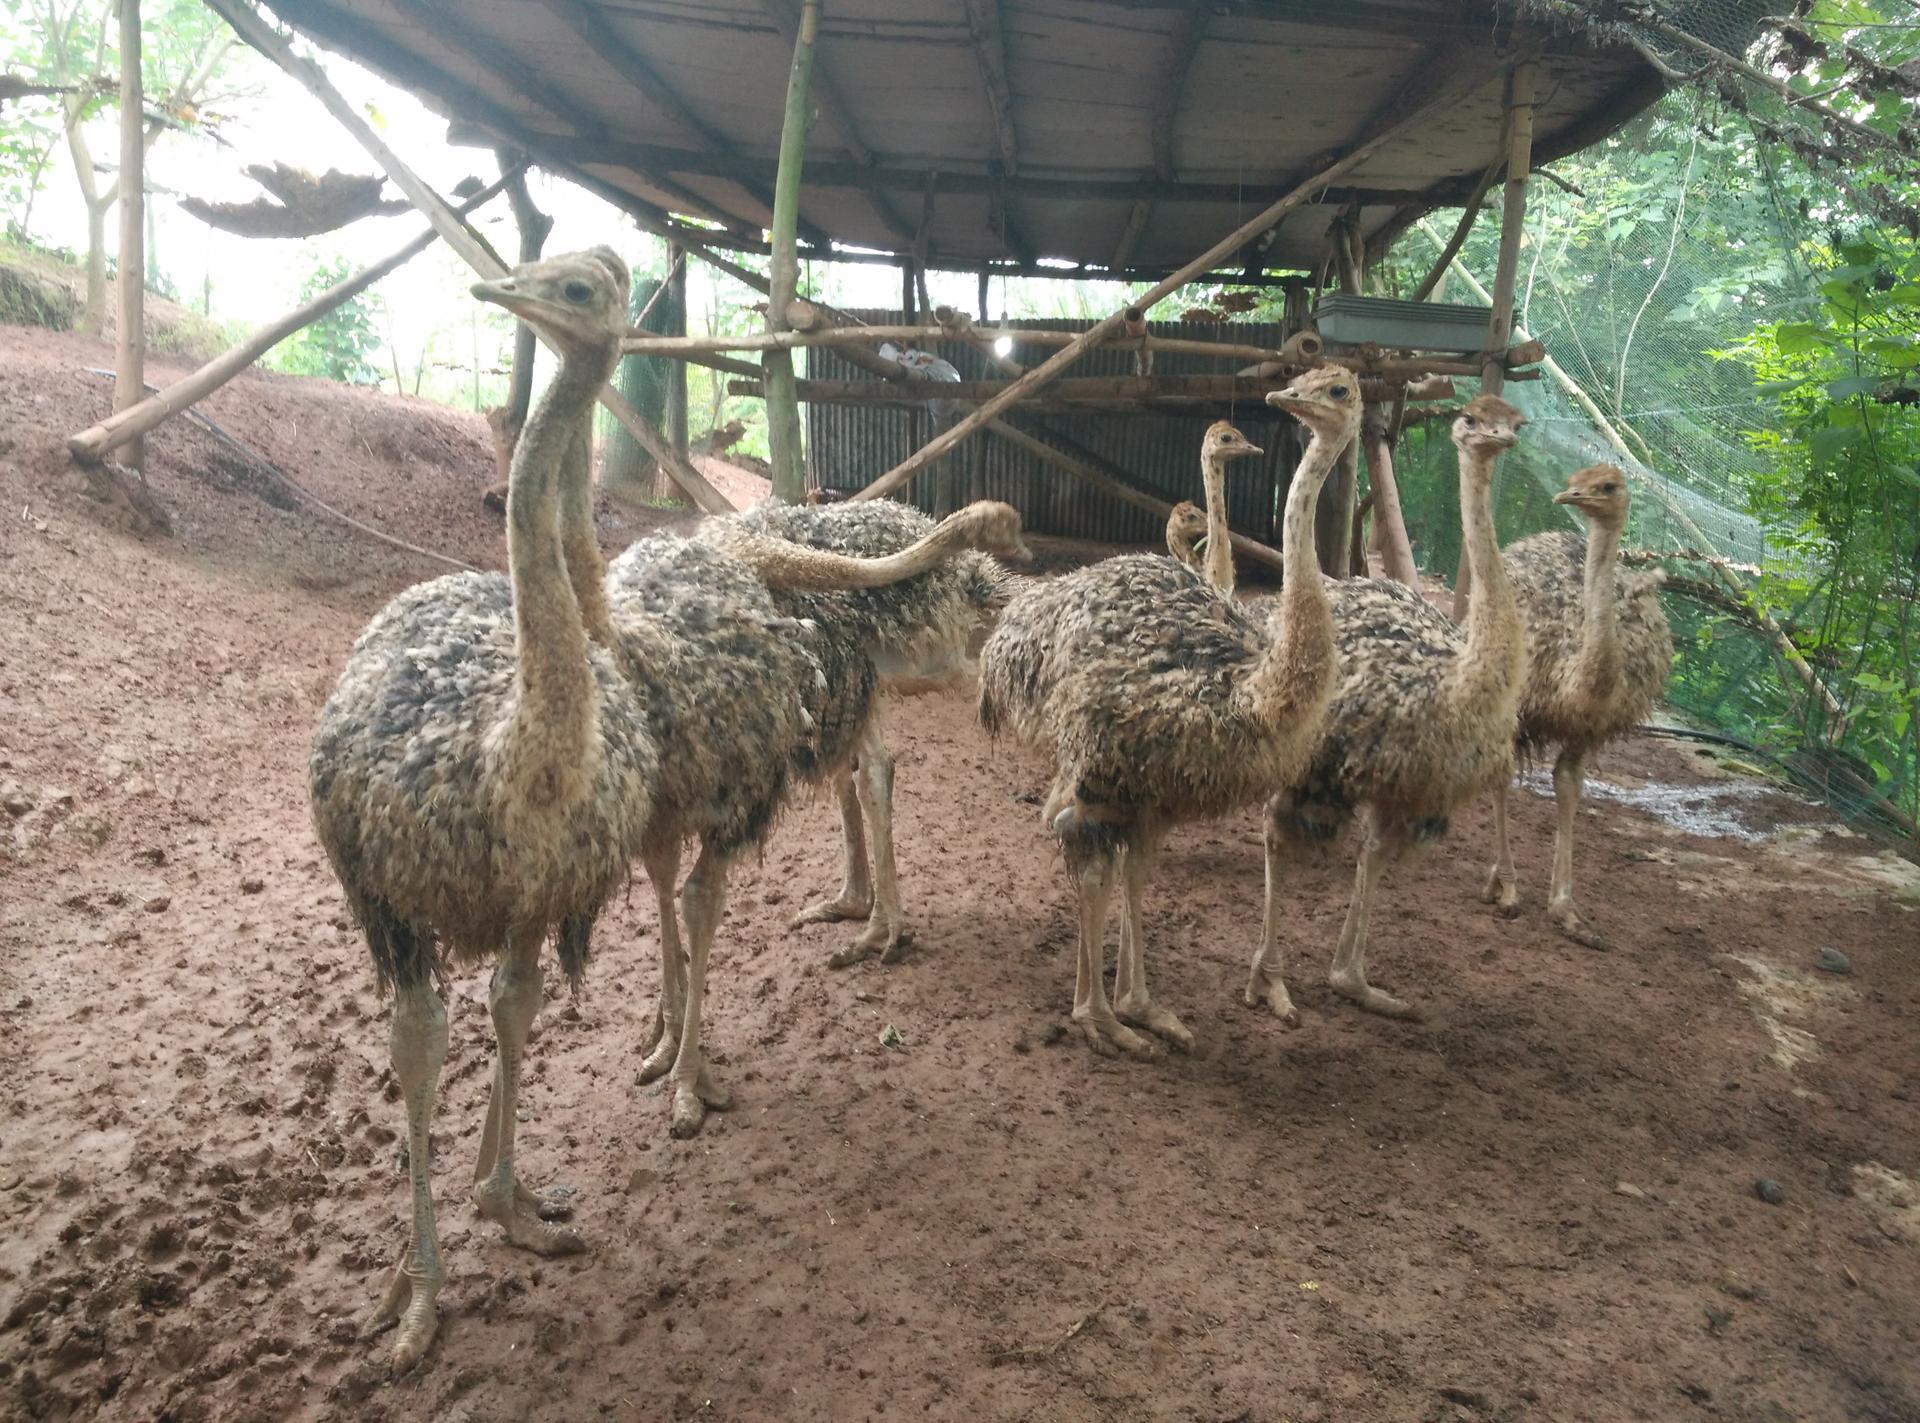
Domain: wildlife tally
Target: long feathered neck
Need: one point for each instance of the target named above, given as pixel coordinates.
(586, 569)
(1490, 668)
(1213, 478)
(555, 712)
(1598, 664)
(1297, 668)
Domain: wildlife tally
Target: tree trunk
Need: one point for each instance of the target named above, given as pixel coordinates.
(93, 316)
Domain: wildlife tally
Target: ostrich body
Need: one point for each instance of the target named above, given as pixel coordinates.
(1187, 533)
(908, 636)
(1421, 721)
(741, 698)
(1163, 702)
(1598, 654)
(481, 777)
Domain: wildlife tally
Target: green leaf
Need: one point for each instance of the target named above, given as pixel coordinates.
(1830, 440)
(1850, 386)
(1798, 337)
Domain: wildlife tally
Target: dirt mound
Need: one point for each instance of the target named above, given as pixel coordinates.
(39, 289)
(1541, 1204)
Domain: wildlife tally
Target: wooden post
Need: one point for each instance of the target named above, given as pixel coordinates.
(93, 443)
(1513, 221)
(1333, 517)
(129, 366)
(533, 226)
(1444, 84)
(677, 436)
(783, 403)
(471, 247)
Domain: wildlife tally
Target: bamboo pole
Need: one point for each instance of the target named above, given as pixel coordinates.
(94, 442)
(1054, 366)
(1463, 229)
(783, 404)
(1389, 524)
(472, 248)
(130, 350)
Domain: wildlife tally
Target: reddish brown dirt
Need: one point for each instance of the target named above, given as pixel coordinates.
(1357, 1220)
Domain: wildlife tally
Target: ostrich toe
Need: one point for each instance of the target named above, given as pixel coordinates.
(1142, 1012)
(409, 1306)
(1374, 1000)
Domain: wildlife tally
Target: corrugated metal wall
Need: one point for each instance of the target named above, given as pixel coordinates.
(848, 446)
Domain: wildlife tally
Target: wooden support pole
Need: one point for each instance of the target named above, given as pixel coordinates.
(1124, 390)
(1389, 523)
(1513, 222)
(130, 351)
(94, 442)
(783, 404)
(1446, 83)
(472, 248)
(1462, 230)
(1334, 516)
(677, 435)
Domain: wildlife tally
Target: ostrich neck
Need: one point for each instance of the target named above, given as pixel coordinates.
(554, 715)
(586, 569)
(1297, 669)
(1599, 659)
(1213, 478)
(1491, 666)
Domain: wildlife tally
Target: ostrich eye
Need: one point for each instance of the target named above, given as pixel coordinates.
(1469, 420)
(578, 292)
(1339, 392)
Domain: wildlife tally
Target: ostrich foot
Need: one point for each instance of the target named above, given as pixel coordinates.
(1111, 1038)
(691, 1101)
(1374, 1000)
(886, 937)
(518, 1212)
(1271, 990)
(1503, 894)
(1140, 1010)
(1568, 921)
(660, 1054)
(844, 905)
(408, 1304)
(554, 1203)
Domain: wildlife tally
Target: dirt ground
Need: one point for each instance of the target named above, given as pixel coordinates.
(1539, 1204)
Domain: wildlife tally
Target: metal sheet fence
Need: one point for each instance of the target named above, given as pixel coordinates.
(848, 446)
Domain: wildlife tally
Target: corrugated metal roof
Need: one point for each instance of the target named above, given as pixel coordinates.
(677, 104)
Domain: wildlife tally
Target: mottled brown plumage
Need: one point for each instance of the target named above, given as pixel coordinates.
(1421, 720)
(481, 776)
(1162, 701)
(1598, 654)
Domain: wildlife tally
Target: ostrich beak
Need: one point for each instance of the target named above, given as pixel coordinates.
(508, 293)
(1250, 450)
(1570, 496)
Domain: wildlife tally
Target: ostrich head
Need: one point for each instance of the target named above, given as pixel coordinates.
(1187, 523)
(1326, 401)
(994, 527)
(577, 300)
(1599, 492)
(1487, 426)
(1224, 443)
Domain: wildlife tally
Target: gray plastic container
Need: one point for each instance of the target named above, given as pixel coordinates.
(1401, 325)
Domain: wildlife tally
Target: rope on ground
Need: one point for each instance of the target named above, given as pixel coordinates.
(266, 465)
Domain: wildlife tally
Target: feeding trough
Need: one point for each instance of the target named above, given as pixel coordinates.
(1400, 325)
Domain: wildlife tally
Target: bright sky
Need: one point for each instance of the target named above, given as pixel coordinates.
(248, 280)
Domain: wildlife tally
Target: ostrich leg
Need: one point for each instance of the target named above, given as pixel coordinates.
(1569, 778)
(1131, 1001)
(856, 890)
(694, 1089)
(1266, 980)
(419, 1048)
(1348, 976)
(885, 934)
(663, 1040)
(1091, 867)
(1501, 890)
(514, 996)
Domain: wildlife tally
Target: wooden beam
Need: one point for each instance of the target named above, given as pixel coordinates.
(1462, 230)
(783, 405)
(990, 53)
(130, 346)
(472, 248)
(129, 422)
(1169, 83)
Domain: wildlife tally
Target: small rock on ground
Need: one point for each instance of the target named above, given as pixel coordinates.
(1770, 1191)
(1832, 961)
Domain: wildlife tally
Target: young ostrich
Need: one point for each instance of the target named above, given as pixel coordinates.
(740, 705)
(1187, 533)
(481, 777)
(910, 636)
(1422, 721)
(1598, 653)
(1165, 702)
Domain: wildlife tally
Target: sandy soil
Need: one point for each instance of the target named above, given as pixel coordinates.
(1540, 1204)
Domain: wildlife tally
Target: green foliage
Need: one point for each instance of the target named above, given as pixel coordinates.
(341, 344)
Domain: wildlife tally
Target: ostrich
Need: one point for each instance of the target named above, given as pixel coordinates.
(1598, 653)
(910, 636)
(1187, 533)
(1164, 702)
(744, 705)
(1422, 720)
(481, 777)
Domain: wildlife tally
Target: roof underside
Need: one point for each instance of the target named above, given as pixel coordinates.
(1126, 134)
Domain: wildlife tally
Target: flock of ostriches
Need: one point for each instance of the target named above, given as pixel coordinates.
(501, 750)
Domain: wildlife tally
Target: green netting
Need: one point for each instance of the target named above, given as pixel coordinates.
(643, 381)
(1729, 312)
